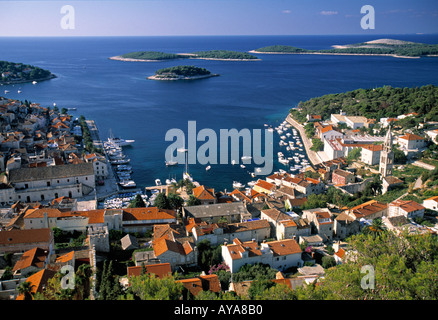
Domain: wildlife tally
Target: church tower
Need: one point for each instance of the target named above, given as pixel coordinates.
(386, 156)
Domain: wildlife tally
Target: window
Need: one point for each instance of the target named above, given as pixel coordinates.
(48, 183)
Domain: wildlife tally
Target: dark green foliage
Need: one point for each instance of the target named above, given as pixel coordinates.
(405, 267)
(161, 201)
(193, 201)
(152, 55)
(317, 145)
(137, 202)
(186, 71)
(109, 287)
(409, 49)
(146, 287)
(18, 72)
(258, 271)
(282, 48)
(224, 54)
(328, 262)
(208, 255)
(175, 201)
(376, 103)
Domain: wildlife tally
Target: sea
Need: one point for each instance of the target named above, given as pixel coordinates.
(247, 94)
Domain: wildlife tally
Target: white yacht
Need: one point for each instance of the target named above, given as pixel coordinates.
(158, 182)
(171, 163)
(207, 168)
(128, 184)
(237, 185)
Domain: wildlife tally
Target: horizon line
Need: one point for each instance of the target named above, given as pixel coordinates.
(212, 35)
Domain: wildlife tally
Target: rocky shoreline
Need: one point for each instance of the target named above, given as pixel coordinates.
(161, 78)
(52, 76)
(338, 54)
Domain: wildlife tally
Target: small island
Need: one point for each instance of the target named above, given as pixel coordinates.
(182, 73)
(148, 56)
(12, 72)
(380, 47)
(226, 55)
(154, 56)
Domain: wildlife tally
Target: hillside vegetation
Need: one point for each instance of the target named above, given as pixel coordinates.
(152, 55)
(186, 71)
(376, 103)
(224, 54)
(380, 46)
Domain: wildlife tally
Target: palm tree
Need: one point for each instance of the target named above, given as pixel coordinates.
(376, 226)
(25, 288)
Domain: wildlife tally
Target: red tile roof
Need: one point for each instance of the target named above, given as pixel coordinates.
(160, 270)
(407, 205)
(203, 193)
(33, 257)
(38, 281)
(410, 137)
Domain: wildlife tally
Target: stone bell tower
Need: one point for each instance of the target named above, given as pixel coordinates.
(386, 156)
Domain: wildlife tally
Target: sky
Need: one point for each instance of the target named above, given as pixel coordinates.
(214, 17)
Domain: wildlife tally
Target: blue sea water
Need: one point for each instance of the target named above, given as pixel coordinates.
(118, 96)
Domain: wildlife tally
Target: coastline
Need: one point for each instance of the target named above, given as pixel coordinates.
(120, 58)
(52, 76)
(312, 155)
(189, 56)
(156, 77)
(339, 54)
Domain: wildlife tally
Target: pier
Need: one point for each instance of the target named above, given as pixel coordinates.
(312, 155)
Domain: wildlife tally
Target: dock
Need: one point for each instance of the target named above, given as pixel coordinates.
(94, 132)
(312, 155)
(162, 188)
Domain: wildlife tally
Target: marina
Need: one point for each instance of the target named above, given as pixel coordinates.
(119, 161)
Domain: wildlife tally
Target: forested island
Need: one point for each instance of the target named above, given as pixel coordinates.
(374, 103)
(182, 73)
(387, 47)
(148, 56)
(223, 55)
(12, 72)
(151, 56)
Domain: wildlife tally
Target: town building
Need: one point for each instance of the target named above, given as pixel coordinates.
(431, 203)
(411, 144)
(281, 254)
(371, 154)
(48, 183)
(24, 240)
(229, 212)
(204, 195)
(408, 208)
(369, 210)
(345, 226)
(342, 177)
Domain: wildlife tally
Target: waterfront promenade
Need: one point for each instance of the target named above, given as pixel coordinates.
(312, 155)
(110, 187)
